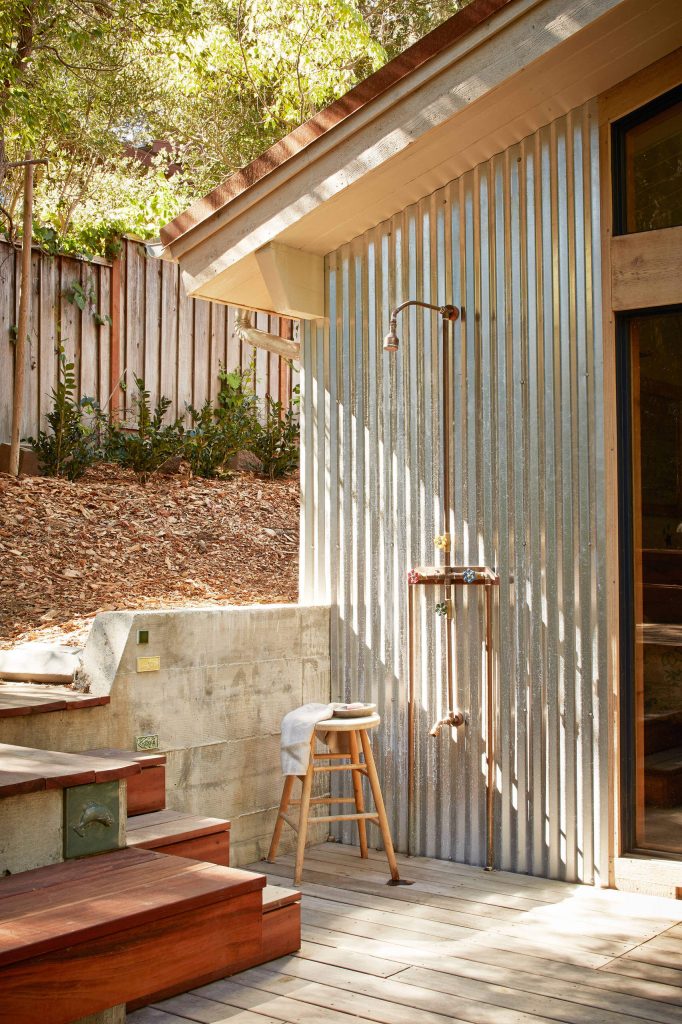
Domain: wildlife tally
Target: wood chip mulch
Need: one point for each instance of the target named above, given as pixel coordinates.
(70, 550)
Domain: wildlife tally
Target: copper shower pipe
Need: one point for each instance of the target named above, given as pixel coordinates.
(449, 314)
(490, 736)
(447, 576)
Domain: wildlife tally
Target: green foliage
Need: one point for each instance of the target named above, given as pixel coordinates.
(85, 298)
(219, 80)
(150, 443)
(68, 448)
(277, 441)
(216, 434)
(81, 433)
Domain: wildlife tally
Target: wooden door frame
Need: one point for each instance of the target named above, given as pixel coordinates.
(617, 254)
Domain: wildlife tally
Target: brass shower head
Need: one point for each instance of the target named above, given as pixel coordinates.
(392, 341)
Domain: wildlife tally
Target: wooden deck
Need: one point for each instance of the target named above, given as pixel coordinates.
(458, 945)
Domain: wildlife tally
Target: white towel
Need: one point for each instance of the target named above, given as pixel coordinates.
(297, 729)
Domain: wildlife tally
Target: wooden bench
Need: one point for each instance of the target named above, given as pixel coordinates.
(82, 936)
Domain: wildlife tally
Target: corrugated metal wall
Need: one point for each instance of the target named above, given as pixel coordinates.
(516, 243)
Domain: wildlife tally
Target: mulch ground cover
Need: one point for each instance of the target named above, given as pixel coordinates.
(70, 550)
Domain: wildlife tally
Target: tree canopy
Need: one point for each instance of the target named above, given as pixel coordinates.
(92, 84)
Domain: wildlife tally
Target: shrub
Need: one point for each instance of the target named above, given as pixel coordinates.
(218, 433)
(277, 440)
(150, 443)
(208, 444)
(70, 446)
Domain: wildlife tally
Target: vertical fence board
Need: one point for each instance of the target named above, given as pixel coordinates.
(262, 322)
(185, 353)
(152, 328)
(49, 279)
(134, 318)
(235, 355)
(202, 351)
(90, 334)
(105, 336)
(31, 380)
(7, 265)
(68, 317)
(169, 330)
(218, 352)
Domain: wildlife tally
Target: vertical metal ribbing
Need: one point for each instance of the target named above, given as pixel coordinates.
(515, 242)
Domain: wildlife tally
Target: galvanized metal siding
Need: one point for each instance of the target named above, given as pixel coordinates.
(516, 243)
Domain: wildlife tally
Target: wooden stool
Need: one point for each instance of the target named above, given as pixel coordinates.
(353, 728)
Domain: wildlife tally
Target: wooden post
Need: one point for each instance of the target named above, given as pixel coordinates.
(24, 320)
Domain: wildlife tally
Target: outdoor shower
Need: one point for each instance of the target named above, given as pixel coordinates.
(447, 576)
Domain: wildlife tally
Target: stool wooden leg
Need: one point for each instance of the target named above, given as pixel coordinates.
(304, 811)
(357, 791)
(279, 824)
(379, 804)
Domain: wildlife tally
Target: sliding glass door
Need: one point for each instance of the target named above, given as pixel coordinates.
(652, 608)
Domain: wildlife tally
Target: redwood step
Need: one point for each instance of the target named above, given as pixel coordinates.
(29, 770)
(82, 936)
(281, 935)
(180, 834)
(39, 698)
(146, 791)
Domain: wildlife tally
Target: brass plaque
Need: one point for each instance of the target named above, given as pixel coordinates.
(150, 741)
(91, 819)
(148, 664)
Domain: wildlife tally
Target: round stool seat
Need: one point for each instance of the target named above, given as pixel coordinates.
(348, 724)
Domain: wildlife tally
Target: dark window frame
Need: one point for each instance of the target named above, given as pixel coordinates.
(619, 130)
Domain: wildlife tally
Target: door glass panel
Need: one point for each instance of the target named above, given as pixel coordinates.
(653, 172)
(656, 375)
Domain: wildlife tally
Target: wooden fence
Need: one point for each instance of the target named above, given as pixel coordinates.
(137, 319)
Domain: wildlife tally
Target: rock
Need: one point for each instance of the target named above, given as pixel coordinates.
(28, 460)
(244, 462)
(171, 465)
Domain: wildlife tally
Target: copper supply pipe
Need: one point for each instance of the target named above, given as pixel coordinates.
(410, 714)
(490, 748)
(447, 427)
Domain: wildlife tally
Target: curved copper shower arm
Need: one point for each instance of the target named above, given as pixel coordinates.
(391, 341)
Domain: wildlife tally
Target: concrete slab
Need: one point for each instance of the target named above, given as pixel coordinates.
(40, 662)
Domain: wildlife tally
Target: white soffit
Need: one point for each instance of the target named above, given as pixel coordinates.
(519, 70)
(276, 279)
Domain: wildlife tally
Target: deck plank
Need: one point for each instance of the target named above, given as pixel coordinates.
(583, 985)
(397, 903)
(651, 972)
(417, 897)
(384, 1001)
(580, 977)
(197, 1008)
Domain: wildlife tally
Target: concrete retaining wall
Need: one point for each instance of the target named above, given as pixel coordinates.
(226, 678)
